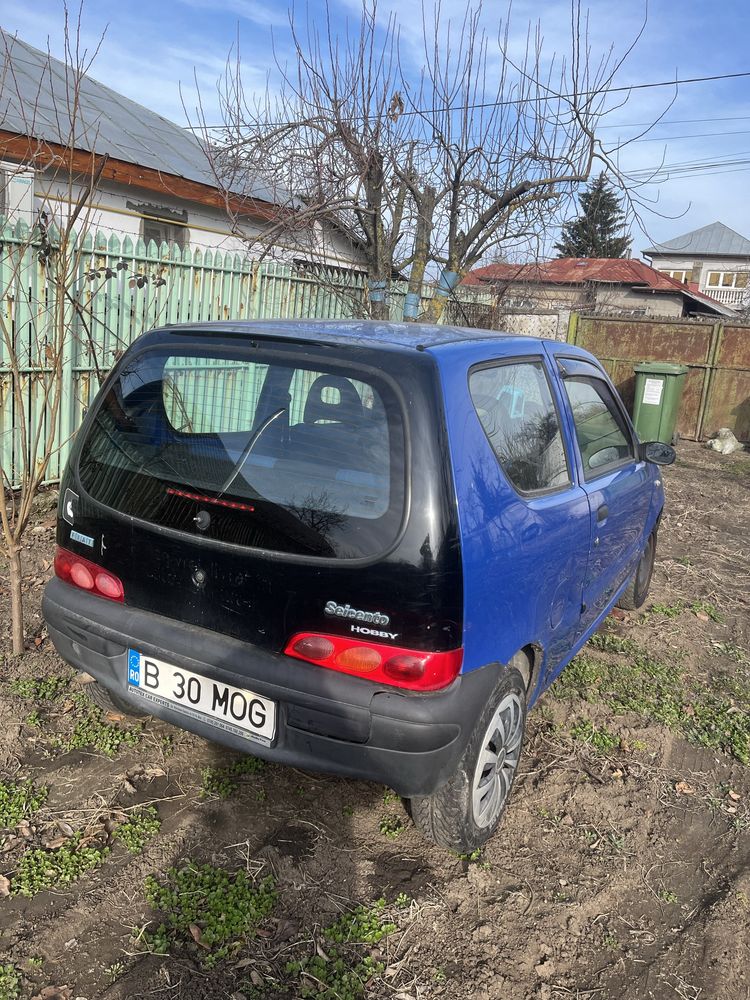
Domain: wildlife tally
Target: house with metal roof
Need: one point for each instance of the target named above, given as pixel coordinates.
(154, 179)
(714, 260)
(615, 286)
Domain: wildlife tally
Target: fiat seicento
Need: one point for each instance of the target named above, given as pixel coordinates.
(360, 548)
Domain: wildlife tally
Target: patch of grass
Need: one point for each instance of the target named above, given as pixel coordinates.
(220, 783)
(709, 609)
(600, 738)
(391, 826)
(40, 869)
(364, 925)
(667, 610)
(138, 828)
(207, 906)
(472, 857)
(730, 649)
(344, 972)
(42, 689)
(667, 896)
(10, 982)
(19, 800)
(35, 961)
(716, 716)
(93, 731)
(608, 642)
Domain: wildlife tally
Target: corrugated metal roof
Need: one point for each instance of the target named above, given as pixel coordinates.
(578, 270)
(106, 122)
(716, 240)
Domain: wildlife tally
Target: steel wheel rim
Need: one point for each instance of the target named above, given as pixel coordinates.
(498, 760)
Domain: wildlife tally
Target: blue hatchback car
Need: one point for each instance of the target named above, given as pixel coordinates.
(361, 548)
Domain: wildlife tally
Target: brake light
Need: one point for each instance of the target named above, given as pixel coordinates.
(87, 575)
(406, 668)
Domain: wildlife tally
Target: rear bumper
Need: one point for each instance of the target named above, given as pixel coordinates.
(326, 721)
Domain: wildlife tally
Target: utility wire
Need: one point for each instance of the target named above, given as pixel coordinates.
(514, 103)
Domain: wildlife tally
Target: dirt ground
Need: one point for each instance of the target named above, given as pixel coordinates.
(621, 870)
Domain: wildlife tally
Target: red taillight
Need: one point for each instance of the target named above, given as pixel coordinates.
(87, 575)
(407, 668)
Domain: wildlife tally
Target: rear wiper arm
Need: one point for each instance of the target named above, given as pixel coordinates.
(247, 449)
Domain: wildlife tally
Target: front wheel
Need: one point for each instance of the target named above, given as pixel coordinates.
(464, 812)
(638, 586)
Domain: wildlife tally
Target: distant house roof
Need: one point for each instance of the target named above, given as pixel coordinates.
(716, 240)
(579, 270)
(107, 123)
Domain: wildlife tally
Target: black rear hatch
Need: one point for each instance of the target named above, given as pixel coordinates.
(246, 485)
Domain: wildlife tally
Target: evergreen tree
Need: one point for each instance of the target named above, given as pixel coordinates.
(599, 229)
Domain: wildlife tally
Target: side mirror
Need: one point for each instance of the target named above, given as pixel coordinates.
(658, 453)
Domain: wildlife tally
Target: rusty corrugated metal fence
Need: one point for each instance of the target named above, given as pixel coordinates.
(717, 386)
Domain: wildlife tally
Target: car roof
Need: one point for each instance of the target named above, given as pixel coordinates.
(362, 333)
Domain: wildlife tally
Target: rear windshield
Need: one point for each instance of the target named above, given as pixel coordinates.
(263, 450)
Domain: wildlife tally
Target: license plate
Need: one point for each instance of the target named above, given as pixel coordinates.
(233, 709)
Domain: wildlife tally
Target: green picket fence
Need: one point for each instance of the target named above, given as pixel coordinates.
(122, 288)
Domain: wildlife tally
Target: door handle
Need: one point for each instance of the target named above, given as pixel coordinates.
(602, 513)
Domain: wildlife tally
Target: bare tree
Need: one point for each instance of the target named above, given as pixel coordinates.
(48, 281)
(425, 170)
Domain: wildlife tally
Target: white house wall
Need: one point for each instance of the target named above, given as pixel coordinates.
(111, 211)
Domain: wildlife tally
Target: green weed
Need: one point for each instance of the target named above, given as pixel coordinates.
(138, 828)
(667, 610)
(40, 869)
(344, 973)
(92, 731)
(19, 800)
(709, 609)
(209, 906)
(715, 716)
(364, 925)
(403, 901)
(391, 826)
(600, 738)
(220, 783)
(114, 971)
(42, 689)
(608, 642)
(10, 982)
(667, 896)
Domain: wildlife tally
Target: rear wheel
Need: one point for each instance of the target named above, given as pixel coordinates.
(464, 812)
(637, 589)
(109, 702)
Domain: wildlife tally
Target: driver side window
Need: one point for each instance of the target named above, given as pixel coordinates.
(515, 407)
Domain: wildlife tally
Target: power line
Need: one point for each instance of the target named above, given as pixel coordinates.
(551, 96)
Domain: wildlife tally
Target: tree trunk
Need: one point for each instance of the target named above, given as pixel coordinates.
(16, 600)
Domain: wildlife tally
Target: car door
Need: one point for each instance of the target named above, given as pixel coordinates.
(545, 517)
(614, 478)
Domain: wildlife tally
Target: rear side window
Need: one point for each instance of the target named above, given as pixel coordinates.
(603, 439)
(280, 453)
(514, 404)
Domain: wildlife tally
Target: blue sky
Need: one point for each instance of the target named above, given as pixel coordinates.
(152, 52)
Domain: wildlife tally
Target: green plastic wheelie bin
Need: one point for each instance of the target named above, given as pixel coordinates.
(658, 390)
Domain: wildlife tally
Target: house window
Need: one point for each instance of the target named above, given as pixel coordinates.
(683, 276)
(162, 225)
(161, 231)
(727, 279)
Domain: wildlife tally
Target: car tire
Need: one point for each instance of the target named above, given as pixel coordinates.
(464, 812)
(108, 702)
(638, 586)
